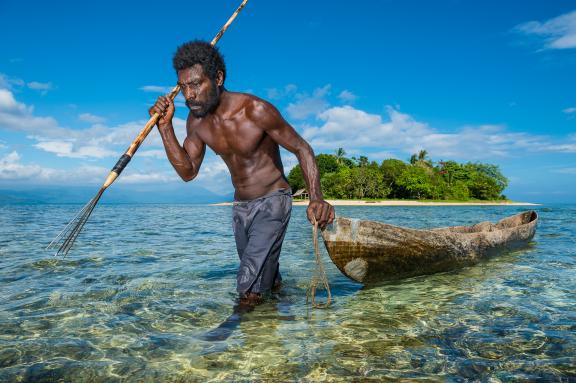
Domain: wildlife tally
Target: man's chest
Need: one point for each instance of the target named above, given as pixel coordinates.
(232, 138)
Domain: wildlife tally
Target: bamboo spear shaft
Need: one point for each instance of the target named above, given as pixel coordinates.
(66, 238)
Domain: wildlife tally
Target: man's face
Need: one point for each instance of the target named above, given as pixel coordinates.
(201, 94)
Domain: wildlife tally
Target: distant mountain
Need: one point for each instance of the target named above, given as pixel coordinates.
(163, 193)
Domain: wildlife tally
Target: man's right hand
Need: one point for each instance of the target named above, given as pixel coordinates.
(165, 108)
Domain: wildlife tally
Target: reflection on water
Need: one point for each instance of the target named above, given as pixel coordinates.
(144, 291)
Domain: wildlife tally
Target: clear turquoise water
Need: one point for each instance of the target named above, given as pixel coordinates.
(145, 283)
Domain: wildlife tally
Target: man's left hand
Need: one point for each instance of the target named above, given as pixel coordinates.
(321, 211)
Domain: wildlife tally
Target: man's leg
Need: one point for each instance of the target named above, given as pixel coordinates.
(265, 232)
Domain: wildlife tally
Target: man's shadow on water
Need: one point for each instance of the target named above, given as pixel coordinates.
(242, 308)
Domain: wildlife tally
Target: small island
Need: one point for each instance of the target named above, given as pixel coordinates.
(420, 181)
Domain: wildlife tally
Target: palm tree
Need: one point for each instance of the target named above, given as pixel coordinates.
(340, 153)
(423, 159)
(422, 154)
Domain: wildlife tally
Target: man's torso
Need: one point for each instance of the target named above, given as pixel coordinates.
(251, 155)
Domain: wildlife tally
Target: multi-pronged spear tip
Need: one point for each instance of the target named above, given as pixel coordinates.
(67, 237)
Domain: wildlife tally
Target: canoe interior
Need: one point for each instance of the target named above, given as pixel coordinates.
(369, 251)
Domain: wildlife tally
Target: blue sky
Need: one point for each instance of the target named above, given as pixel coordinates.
(486, 81)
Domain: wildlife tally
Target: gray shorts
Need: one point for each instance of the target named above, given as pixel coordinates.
(259, 227)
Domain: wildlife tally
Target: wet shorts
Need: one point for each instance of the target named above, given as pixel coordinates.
(259, 227)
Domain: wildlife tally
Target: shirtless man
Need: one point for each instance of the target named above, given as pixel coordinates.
(245, 131)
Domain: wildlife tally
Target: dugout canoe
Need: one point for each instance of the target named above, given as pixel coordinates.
(369, 251)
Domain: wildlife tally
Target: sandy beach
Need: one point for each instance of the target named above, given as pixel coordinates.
(335, 202)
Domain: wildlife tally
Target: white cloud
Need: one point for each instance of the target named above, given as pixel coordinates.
(347, 96)
(157, 88)
(214, 175)
(179, 100)
(91, 118)
(16, 116)
(382, 155)
(148, 177)
(154, 153)
(570, 110)
(558, 33)
(289, 160)
(8, 82)
(9, 104)
(561, 148)
(101, 141)
(352, 129)
(44, 87)
(68, 149)
(307, 105)
(40, 85)
(98, 141)
(277, 94)
(565, 171)
(13, 169)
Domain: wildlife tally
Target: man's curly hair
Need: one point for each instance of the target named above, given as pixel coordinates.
(199, 52)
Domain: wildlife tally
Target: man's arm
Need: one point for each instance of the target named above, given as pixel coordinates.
(185, 159)
(286, 136)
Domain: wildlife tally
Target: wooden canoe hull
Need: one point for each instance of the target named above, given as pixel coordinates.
(369, 251)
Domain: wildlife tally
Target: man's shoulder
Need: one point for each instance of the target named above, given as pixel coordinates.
(251, 107)
(249, 100)
(258, 107)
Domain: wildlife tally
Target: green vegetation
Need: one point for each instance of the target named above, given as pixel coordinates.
(421, 178)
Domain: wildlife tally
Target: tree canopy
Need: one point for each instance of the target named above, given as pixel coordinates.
(419, 178)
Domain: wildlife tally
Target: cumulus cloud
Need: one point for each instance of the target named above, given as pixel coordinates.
(98, 141)
(352, 128)
(148, 177)
(43, 87)
(277, 94)
(214, 175)
(91, 118)
(565, 171)
(8, 82)
(309, 105)
(40, 85)
(12, 168)
(17, 116)
(68, 149)
(9, 104)
(558, 32)
(347, 96)
(178, 101)
(156, 88)
(154, 153)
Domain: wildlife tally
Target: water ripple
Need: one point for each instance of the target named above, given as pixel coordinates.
(144, 284)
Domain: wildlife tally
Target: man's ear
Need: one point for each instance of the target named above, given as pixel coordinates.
(220, 78)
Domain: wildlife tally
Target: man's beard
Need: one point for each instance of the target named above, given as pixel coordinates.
(205, 107)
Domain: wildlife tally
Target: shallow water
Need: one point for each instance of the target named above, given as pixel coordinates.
(144, 284)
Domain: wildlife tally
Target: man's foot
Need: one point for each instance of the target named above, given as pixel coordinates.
(251, 299)
(277, 286)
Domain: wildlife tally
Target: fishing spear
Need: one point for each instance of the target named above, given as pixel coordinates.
(68, 235)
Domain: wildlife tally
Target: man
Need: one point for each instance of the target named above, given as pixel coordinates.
(246, 132)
